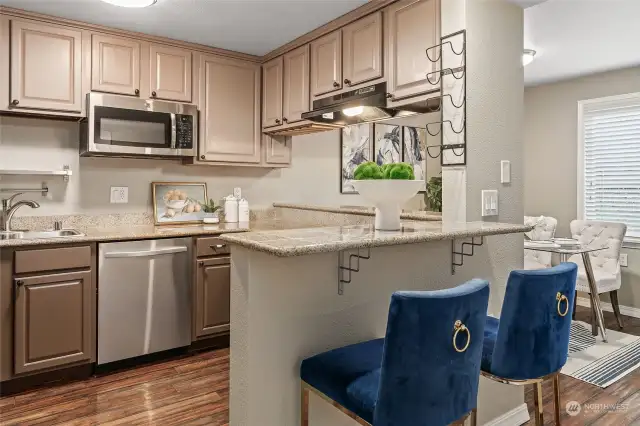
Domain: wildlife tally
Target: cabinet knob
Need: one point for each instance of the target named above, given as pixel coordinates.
(202, 157)
(277, 121)
(15, 102)
(137, 92)
(201, 263)
(347, 82)
(336, 84)
(153, 94)
(19, 282)
(284, 120)
(389, 96)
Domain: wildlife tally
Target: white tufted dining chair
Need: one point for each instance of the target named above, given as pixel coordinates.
(605, 263)
(544, 228)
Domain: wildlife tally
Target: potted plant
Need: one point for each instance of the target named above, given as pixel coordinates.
(433, 194)
(387, 187)
(210, 210)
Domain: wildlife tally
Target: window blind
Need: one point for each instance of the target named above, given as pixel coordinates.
(611, 153)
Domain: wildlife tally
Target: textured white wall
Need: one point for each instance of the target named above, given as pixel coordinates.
(28, 143)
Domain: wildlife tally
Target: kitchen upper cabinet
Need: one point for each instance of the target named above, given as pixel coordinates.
(326, 64)
(212, 296)
(277, 150)
(296, 84)
(115, 63)
(272, 94)
(412, 26)
(53, 320)
(229, 110)
(362, 50)
(170, 73)
(46, 67)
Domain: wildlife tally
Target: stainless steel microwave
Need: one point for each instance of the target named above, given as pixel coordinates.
(122, 126)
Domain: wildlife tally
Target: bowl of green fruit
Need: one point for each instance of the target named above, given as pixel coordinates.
(388, 188)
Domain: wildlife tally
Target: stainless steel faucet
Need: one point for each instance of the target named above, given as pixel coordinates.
(9, 209)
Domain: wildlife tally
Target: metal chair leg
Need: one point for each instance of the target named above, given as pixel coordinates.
(538, 406)
(616, 306)
(594, 321)
(304, 406)
(474, 417)
(556, 398)
(575, 306)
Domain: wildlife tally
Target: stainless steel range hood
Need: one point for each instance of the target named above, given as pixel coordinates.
(362, 106)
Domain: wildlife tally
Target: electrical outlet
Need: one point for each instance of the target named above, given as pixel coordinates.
(119, 194)
(623, 259)
(489, 202)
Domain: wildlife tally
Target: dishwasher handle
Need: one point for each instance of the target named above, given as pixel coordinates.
(145, 253)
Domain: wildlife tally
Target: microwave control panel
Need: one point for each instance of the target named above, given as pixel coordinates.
(184, 131)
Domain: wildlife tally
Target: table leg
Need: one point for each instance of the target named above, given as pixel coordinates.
(595, 298)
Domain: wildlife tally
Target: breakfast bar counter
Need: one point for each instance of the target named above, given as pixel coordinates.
(299, 292)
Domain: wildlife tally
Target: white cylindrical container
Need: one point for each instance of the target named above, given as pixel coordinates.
(231, 209)
(243, 211)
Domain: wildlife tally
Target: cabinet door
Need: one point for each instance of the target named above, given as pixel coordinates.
(115, 65)
(46, 69)
(212, 296)
(170, 73)
(52, 320)
(412, 26)
(326, 64)
(230, 110)
(296, 84)
(362, 50)
(272, 92)
(277, 149)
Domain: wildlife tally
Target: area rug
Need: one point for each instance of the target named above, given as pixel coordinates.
(601, 364)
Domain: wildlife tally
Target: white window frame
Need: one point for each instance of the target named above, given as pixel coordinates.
(632, 242)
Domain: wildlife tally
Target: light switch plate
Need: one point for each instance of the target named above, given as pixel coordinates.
(623, 259)
(489, 202)
(119, 194)
(505, 171)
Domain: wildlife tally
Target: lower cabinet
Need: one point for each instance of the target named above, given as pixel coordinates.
(53, 320)
(212, 293)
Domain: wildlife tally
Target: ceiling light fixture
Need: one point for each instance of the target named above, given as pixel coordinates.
(131, 3)
(352, 112)
(527, 56)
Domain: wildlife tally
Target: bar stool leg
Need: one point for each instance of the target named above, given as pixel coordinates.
(556, 397)
(304, 406)
(538, 407)
(474, 417)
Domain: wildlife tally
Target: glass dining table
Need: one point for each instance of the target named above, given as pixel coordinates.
(583, 250)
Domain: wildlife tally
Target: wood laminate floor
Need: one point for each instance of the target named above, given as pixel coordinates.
(194, 390)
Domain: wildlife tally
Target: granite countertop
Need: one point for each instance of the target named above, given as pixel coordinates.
(144, 232)
(134, 232)
(298, 242)
(366, 211)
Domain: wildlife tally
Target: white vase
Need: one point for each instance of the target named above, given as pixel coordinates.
(388, 196)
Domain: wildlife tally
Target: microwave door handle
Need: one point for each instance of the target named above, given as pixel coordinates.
(174, 131)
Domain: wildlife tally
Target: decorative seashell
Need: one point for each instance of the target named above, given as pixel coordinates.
(189, 208)
(197, 208)
(170, 213)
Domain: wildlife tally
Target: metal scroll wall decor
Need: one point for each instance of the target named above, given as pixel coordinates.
(450, 58)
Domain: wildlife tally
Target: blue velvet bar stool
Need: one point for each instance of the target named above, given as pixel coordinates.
(530, 341)
(425, 371)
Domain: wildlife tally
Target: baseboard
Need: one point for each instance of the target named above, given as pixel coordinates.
(517, 416)
(606, 306)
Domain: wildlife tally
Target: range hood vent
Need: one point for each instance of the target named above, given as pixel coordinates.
(304, 128)
(363, 105)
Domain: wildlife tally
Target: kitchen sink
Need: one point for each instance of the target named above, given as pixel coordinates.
(32, 235)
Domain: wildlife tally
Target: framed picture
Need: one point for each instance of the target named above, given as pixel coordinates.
(387, 146)
(178, 202)
(356, 148)
(415, 150)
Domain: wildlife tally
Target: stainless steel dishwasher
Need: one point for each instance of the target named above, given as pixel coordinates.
(144, 297)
